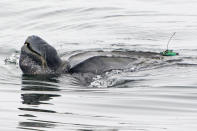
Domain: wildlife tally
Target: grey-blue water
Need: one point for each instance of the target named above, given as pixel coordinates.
(154, 95)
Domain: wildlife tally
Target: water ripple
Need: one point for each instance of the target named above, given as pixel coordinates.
(154, 94)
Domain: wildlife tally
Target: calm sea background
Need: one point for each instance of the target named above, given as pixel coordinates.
(152, 99)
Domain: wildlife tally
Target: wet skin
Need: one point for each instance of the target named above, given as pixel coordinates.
(38, 57)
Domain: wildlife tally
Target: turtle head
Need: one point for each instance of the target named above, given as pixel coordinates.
(38, 57)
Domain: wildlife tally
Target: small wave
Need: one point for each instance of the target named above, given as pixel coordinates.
(100, 9)
(186, 64)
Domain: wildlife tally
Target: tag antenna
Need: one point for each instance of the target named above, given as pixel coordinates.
(170, 39)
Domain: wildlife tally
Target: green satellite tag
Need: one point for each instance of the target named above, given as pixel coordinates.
(169, 52)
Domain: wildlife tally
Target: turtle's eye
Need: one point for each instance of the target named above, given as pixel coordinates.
(27, 44)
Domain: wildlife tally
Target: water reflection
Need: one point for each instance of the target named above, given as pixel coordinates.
(38, 84)
(36, 99)
(37, 90)
(28, 125)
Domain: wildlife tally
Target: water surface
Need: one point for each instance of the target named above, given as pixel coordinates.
(157, 95)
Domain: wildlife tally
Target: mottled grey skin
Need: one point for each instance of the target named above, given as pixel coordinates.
(38, 57)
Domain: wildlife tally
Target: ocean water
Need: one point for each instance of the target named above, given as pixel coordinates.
(153, 95)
